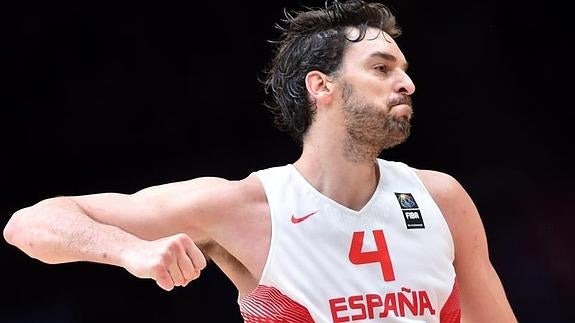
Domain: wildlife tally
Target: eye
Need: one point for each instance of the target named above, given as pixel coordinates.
(382, 68)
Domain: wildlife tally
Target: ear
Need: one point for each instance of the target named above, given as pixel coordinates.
(319, 87)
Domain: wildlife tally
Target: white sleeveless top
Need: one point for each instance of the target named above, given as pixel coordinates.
(391, 261)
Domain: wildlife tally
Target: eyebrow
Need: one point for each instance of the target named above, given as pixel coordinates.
(388, 57)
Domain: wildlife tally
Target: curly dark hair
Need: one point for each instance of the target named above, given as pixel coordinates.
(310, 40)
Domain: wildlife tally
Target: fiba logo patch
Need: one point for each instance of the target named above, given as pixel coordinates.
(410, 209)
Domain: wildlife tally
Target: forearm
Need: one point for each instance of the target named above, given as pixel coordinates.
(57, 230)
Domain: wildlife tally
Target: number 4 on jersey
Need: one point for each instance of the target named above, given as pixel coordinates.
(381, 255)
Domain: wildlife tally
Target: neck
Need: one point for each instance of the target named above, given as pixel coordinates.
(349, 181)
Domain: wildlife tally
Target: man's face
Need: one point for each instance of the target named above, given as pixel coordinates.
(375, 91)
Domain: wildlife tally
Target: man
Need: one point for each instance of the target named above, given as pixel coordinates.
(340, 235)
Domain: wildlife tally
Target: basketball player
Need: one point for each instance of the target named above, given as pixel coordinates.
(339, 235)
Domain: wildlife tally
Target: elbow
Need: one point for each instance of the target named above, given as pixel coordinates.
(28, 230)
(25, 222)
(24, 233)
(34, 229)
(8, 233)
(15, 230)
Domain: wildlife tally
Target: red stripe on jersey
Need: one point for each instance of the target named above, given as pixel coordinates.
(451, 311)
(268, 305)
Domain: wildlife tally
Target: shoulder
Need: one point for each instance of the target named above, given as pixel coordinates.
(453, 200)
(457, 207)
(232, 201)
(248, 189)
(441, 186)
(444, 188)
(239, 197)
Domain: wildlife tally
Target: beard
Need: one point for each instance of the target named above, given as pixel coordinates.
(371, 129)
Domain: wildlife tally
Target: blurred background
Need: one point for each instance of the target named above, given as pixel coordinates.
(114, 99)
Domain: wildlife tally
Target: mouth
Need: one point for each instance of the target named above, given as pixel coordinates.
(402, 100)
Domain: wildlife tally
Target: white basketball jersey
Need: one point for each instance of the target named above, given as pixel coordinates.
(391, 261)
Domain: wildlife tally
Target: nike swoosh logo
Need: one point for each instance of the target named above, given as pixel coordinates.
(295, 220)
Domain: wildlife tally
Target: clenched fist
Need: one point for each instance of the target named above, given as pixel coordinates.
(171, 261)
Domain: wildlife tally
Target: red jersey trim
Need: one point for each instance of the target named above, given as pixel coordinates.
(268, 305)
(451, 310)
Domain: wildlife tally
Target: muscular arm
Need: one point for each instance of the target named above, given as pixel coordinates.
(482, 295)
(151, 233)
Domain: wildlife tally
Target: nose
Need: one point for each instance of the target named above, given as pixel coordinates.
(405, 85)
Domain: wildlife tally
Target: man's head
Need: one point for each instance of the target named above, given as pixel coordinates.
(330, 42)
